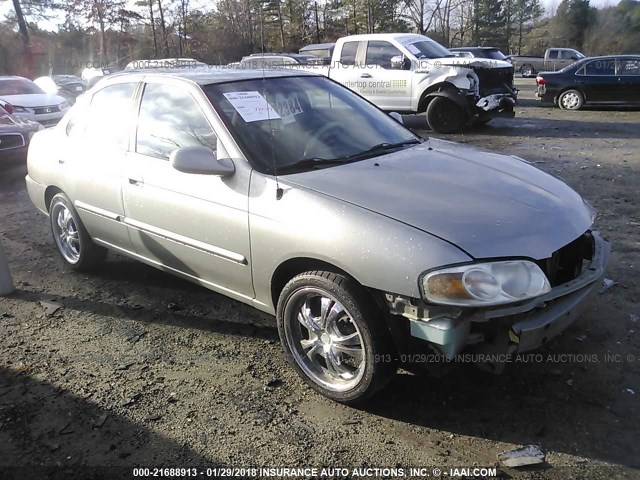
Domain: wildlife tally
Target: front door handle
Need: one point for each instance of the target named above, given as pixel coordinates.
(135, 181)
(366, 75)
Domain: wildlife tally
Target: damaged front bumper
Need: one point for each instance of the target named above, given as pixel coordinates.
(507, 329)
(495, 105)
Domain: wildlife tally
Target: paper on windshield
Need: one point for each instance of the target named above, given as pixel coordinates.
(288, 106)
(251, 106)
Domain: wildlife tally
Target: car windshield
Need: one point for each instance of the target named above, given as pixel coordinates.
(18, 86)
(494, 54)
(292, 124)
(428, 49)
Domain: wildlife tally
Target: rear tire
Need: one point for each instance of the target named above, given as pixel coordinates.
(571, 100)
(71, 237)
(445, 116)
(334, 337)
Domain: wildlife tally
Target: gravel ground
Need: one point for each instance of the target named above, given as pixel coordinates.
(129, 366)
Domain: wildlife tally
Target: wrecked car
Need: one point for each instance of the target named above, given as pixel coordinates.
(410, 73)
(288, 192)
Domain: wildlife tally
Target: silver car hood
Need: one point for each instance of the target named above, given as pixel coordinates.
(487, 204)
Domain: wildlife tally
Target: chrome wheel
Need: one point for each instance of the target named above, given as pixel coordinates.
(324, 339)
(66, 233)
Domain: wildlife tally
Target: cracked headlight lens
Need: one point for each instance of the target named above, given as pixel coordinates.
(485, 284)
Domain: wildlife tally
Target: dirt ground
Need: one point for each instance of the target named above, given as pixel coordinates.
(138, 368)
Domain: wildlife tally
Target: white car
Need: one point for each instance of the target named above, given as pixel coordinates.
(30, 102)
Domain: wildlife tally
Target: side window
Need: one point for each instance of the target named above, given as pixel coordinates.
(567, 54)
(630, 67)
(380, 53)
(553, 53)
(107, 122)
(601, 67)
(348, 55)
(170, 119)
(78, 117)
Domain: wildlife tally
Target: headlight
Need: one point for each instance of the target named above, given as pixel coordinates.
(17, 109)
(64, 105)
(485, 284)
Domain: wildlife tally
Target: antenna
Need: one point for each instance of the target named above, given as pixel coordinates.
(279, 191)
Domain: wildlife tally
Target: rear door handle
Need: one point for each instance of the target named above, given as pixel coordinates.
(135, 181)
(366, 75)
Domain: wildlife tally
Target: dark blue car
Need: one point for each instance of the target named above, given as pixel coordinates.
(610, 80)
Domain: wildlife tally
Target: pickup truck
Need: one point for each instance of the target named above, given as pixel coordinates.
(554, 59)
(409, 73)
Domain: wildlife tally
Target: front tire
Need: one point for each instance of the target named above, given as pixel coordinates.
(334, 337)
(71, 237)
(571, 100)
(445, 116)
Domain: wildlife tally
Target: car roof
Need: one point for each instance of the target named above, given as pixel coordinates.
(276, 54)
(210, 75)
(385, 36)
(603, 57)
(456, 49)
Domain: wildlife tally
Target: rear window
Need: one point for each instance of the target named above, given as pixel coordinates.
(348, 55)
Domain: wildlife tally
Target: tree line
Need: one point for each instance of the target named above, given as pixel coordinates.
(114, 32)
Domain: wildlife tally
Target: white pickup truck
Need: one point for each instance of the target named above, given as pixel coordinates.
(411, 73)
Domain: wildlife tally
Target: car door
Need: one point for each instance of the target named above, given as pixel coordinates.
(388, 88)
(629, 78)
(98, 133)
(598, 80)
(350, 70)
(551, 60)
(196, 225)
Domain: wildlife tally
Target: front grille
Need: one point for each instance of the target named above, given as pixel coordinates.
(11, 140)
(45, 110)
(495, 80)
(567, 263)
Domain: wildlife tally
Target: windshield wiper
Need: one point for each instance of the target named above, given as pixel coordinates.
(317, 162)
(380, 149)
(310, 163)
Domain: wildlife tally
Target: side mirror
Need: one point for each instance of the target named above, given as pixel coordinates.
(398, 62)
(397, 117)
(201, 160)
(573, 58)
